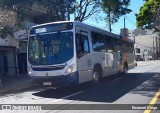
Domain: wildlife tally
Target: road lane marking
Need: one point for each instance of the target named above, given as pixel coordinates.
(67, 96)
(153, 101)
(117, 79)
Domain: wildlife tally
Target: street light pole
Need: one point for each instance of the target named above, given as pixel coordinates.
(134, 44)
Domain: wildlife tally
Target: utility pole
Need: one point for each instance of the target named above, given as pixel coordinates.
(124, 22)
(109, 19)
(74, 12)
(134, 40)
(134, 45)
(68, 14)
(124, 26)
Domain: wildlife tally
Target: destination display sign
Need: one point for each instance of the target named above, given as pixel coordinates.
(51, 28)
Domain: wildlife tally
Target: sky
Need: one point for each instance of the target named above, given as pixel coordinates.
(130, 19)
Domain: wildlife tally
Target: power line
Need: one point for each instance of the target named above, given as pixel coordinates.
(131, 22)
(134, 25)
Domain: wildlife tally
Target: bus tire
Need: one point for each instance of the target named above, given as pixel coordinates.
(125, 69)
(97, 73)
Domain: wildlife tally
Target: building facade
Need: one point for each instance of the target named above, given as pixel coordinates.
(147, 44)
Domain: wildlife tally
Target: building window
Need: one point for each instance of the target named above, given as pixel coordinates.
(137, 50)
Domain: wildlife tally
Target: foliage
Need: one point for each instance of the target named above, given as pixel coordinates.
(9, 3)
(115, 9)
(5, 31)
(148, 16)
(57, 10)
(86, 8)
(7, 22)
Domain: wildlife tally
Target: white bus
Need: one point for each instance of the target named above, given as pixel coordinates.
(65, 53)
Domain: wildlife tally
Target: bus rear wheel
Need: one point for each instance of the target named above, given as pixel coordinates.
(125, 69)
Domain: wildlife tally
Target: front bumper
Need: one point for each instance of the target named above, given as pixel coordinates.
(60, 80)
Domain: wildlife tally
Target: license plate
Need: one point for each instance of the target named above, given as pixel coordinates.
(47, 83)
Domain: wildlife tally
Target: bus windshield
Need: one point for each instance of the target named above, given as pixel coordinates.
(50, 49)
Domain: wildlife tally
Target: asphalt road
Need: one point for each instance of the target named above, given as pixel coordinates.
(138, 87)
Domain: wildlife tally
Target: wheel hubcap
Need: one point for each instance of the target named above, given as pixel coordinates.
(95, 76)
(125, 70)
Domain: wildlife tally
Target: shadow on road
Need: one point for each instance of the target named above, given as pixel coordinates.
(108, 90)
(149, 87)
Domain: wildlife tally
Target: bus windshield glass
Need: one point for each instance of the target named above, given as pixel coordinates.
(50, 49)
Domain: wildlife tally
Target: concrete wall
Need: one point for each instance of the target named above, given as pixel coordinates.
(144, 40)
(9, 42)
(4, 42)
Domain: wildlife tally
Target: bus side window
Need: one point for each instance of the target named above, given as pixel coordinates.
(117, 44)
(109, 43)
(123, 47)
(98, 42)
(82, 44)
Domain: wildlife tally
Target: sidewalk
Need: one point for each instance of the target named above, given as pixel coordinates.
(142, 63)
(16, 82)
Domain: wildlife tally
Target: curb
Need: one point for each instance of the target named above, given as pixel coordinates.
(144, 63)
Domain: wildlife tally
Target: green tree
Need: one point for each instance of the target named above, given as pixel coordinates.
(9, 3)
(86, 8)
(8, 20)
(148, 16)
(57, 10)
(115, 9)
(8, 17)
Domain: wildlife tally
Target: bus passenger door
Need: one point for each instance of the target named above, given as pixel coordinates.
(84, 60)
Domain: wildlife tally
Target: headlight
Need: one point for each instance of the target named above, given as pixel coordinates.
(69, 70)
(29, 72)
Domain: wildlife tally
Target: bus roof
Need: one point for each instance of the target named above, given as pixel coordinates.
(105, 32)
(51, 23)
